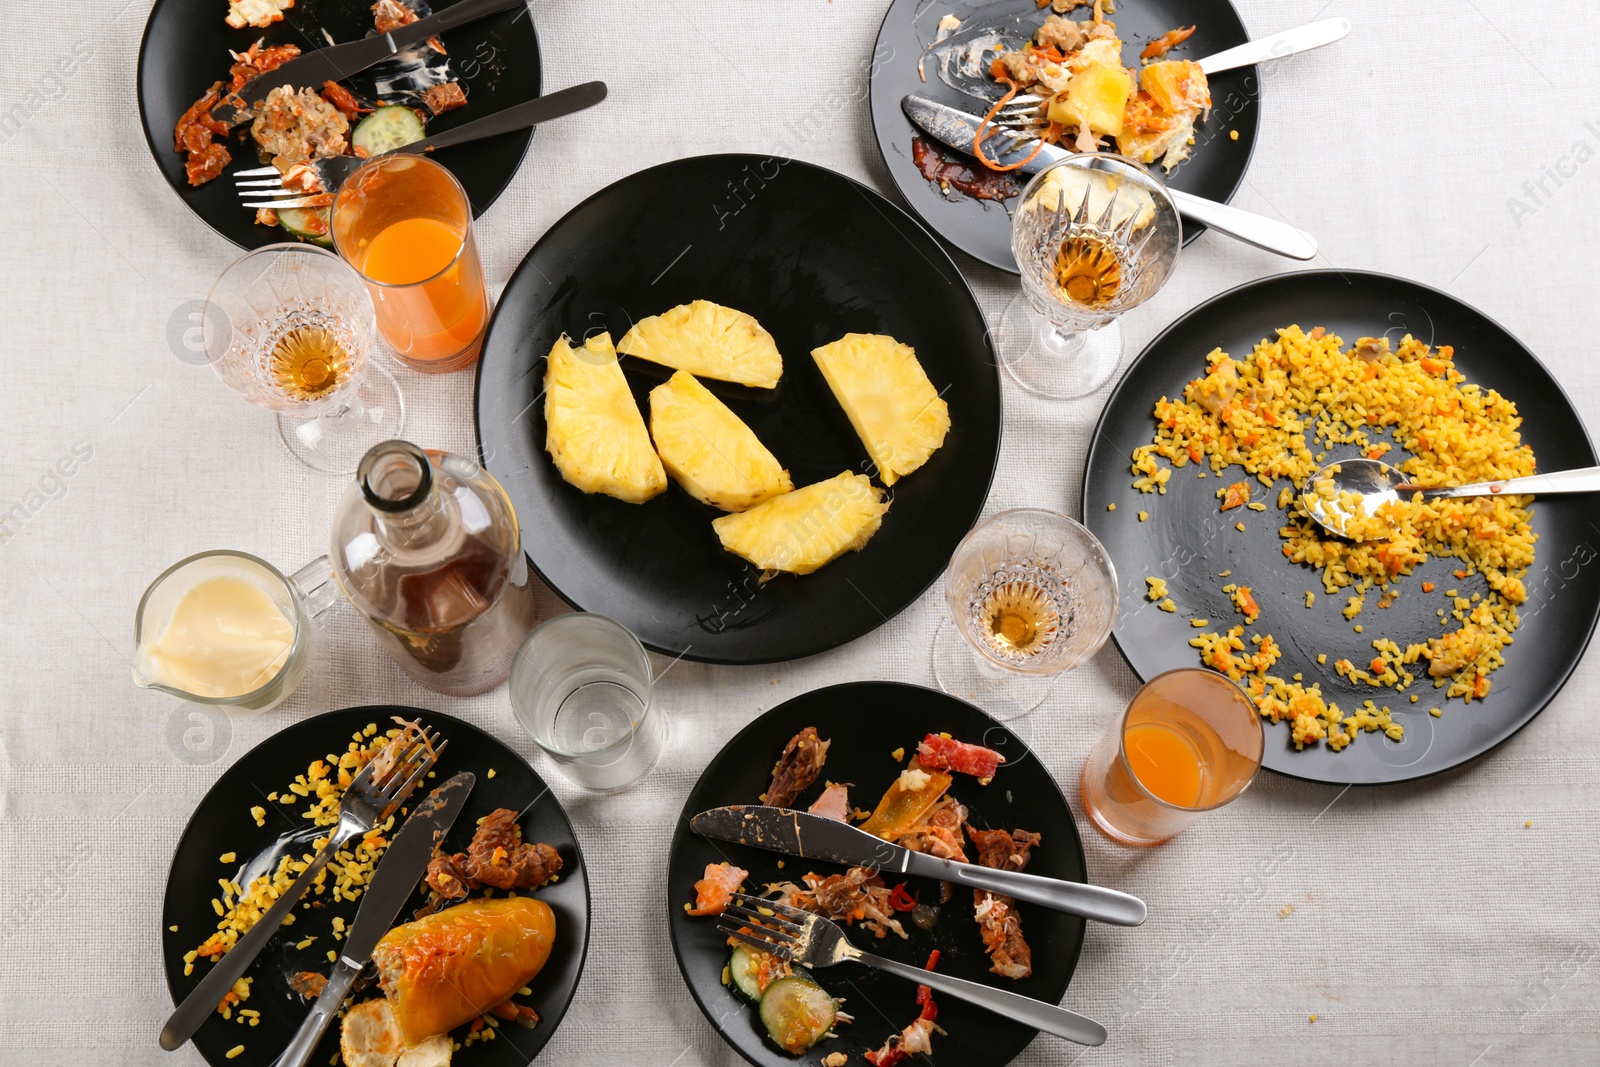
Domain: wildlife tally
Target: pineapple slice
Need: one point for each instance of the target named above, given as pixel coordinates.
(1107, 50)
(707, 449)
(1065, 188)
(803, 530)
(1094, 99)
(895, 410)
(708, 340)
(595, 432)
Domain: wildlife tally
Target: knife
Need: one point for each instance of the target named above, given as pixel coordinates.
(339, 61)
(953, 127)
(398, 872)
(812, 837)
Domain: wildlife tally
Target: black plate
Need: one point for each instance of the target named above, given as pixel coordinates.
(186, 47)
(982, 229)
(222, 824)
(867, 721)
(813, 256)
(1188, 540)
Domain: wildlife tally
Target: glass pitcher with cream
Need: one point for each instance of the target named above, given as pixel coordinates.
(229, 628)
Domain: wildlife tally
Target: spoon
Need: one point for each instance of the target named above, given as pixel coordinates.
(1377, 483)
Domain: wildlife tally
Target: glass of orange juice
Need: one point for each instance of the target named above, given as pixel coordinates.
(1189, 742)
(405, 224)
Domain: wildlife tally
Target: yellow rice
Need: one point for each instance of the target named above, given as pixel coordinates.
(1276, 413)
(322, 786)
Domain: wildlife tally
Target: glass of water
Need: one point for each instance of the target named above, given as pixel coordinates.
(581, 686)
(1030, 594)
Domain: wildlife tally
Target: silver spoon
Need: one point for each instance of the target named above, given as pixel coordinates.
(1378, 484)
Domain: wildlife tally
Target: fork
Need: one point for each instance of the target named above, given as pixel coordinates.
(1023, 118)
(332, 171)
(1266, 233)
(367, 802)
(814, 941)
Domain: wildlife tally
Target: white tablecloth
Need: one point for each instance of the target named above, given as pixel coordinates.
(1449, 142)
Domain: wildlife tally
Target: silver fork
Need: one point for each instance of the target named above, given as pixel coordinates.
(366, 803)
(1023, 118)
(813, 941)
(332, 171)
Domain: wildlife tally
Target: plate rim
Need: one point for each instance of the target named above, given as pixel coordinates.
(681, 828)
(454, 722)
(1240, 291)
(882, 202)
(155, 150)
(1189, 236)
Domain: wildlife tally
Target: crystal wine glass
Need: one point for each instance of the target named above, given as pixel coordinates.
(290, 327)
(1030, 594)
(1094, 235)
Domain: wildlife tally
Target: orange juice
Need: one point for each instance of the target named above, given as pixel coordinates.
(431, 311)
(1165, 762)
(410, 251)
(1189, 741)
(405, 224)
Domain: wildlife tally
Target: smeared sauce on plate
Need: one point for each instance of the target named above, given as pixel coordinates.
(965, 176)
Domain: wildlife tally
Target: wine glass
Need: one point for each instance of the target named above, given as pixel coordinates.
(1031, 594)
(290, 327)
(1094, 235)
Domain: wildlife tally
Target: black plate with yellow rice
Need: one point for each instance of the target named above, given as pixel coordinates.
(1378, 615)
(252, 833)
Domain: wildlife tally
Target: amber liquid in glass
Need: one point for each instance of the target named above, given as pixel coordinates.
(308, 363)
(1088, 272)
(427, 547)
(463, 619)
(1019, 618)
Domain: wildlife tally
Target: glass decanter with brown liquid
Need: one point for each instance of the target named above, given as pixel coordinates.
(427, 545)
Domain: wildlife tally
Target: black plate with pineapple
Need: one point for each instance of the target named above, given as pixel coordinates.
(812, 257)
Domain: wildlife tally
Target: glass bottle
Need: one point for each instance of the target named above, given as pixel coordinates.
(426, 544)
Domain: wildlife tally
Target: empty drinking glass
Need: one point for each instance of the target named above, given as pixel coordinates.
(581, 688)
(1094, 235)
(290, 327)
(1189, 742)
(1030, 594)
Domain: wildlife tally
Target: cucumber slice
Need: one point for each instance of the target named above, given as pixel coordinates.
(743, 969)
(386, 129)
(307, 223)
(797, 1013)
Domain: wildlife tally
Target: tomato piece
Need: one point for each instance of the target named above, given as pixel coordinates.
(948, 754)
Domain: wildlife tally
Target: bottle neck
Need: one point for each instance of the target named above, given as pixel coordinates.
(398, 483)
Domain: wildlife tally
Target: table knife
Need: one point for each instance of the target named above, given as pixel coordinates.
(953, 127)
(799, 833)
(402, 866)
(339, 61)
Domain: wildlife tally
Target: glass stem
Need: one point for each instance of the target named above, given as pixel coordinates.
(1060, 341)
